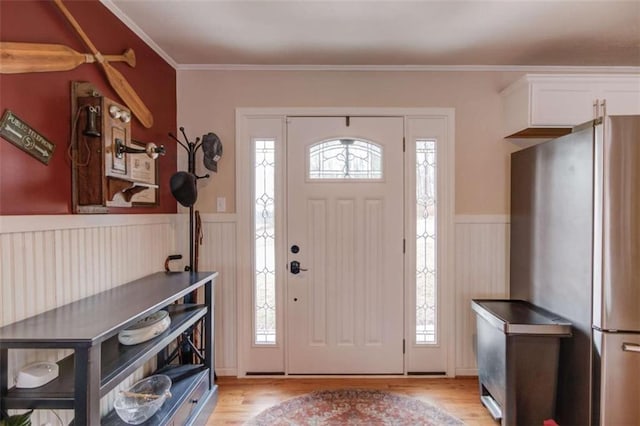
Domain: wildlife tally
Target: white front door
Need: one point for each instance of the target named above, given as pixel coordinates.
(344, 297)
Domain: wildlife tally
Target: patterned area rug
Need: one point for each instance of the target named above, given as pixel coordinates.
(353, 407)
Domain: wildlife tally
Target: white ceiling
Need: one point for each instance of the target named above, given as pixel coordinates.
(388, 33)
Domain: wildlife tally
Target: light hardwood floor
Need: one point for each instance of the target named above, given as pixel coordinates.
(241, 399)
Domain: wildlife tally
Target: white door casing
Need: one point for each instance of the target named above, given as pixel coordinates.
(419, 123)
(345, 312)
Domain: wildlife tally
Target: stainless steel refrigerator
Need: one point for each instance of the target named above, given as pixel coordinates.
(575, 250)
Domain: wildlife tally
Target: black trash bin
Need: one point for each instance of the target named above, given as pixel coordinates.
(518, 349)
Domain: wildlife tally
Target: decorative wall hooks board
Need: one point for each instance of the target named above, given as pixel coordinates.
(115, 78)
(40, 57)
(19, 133)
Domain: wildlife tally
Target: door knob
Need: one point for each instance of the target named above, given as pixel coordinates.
(295, 268)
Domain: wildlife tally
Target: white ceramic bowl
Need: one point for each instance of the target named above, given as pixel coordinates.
(143, 399)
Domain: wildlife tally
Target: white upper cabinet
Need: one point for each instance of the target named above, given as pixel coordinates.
(549, 105)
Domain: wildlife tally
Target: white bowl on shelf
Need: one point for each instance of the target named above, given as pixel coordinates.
(143, 399)
(37, 374)
(146, 329)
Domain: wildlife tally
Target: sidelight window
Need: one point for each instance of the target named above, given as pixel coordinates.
(264, 235)
(426, 289)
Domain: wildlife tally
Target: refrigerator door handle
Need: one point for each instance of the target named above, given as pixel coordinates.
(630, 347)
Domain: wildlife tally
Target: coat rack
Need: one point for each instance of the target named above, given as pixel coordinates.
(184, 184)
(184, 187)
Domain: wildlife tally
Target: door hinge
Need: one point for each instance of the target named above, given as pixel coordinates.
(404, 144)
(404, 245)
(403, 346)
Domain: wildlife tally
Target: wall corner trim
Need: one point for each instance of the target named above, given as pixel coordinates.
(139, 32)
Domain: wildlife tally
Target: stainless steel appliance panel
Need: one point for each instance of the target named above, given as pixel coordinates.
(617, 360)
(575, 251)
(551, 252)
(617, 225)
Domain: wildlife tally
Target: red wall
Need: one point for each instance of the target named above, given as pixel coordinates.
(43, 101)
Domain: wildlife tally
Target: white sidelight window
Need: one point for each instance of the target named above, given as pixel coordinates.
(426, 288)
(264, 249)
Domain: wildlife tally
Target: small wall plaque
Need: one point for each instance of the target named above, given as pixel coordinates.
(25, 137)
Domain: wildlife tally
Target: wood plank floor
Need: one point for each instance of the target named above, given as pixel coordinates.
(241, 399)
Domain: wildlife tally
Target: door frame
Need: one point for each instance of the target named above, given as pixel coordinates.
(271, 122)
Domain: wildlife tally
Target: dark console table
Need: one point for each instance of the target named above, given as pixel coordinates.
(99, 362)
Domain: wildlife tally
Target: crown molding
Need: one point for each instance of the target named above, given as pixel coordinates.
(412, 68)
(139, 32)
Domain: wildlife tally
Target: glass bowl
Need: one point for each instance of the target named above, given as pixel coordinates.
(143, 399)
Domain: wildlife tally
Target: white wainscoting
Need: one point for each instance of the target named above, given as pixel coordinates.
(49, 261)
(482, 271)
(218, 253)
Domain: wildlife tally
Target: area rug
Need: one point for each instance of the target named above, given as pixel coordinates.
(353, 407)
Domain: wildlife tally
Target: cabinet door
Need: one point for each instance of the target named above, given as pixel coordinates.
(547, 101)
(622, 96)
(561, 103)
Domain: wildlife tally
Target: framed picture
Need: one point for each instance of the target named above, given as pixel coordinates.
(143, 169)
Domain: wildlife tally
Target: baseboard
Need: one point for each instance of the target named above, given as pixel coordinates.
(462, 372)
(222, 372)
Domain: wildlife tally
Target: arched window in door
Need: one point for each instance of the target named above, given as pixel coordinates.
(345, 158)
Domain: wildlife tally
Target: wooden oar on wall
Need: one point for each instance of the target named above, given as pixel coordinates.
(39, 57)
(116, 80)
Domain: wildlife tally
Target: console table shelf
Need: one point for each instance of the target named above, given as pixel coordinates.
(181, 392)
(99, 363)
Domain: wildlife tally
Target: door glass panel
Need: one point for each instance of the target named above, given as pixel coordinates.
(264, 249)
(345, 158)
(426, 288)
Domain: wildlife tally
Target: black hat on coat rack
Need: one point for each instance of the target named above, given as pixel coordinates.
(184, 185)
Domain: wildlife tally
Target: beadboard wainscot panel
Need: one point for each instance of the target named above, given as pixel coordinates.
(49, 261)
(218, 253)
(482, 271)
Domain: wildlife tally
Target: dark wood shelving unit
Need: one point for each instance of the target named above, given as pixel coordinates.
(99, 363)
